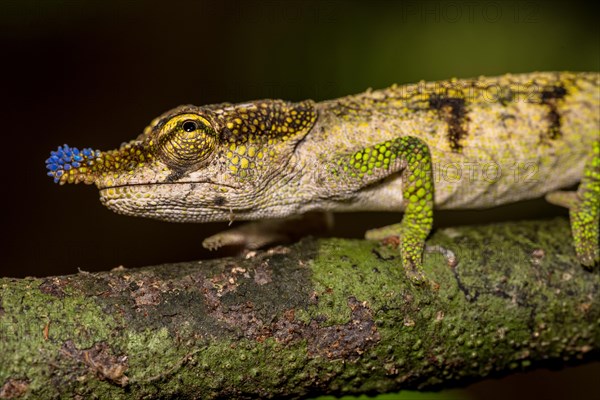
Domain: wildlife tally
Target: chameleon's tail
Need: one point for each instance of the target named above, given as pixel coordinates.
(71, 165)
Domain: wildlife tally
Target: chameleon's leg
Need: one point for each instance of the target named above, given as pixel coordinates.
(256, 234)
(417, 192)
(584, 210)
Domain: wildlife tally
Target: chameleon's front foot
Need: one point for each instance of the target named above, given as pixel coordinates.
(417, 192)
(257, 234)
(410, 244)
(411, 251)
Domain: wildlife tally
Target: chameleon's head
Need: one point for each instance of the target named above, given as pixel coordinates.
(191, 163)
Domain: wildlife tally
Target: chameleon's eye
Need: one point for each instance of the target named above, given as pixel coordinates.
(189, 126)
(186, 140)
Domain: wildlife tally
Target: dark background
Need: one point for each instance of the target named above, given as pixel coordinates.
(93, 74)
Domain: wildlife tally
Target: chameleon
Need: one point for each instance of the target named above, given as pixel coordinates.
(454, 144)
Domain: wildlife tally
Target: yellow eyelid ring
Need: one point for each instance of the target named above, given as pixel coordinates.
(179, 120)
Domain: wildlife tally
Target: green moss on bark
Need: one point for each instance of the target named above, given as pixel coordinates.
(328, 316)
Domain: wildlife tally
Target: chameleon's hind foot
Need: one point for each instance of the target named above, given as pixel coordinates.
(584, 215)
(257, 234)
(585, 232)
(584, 211)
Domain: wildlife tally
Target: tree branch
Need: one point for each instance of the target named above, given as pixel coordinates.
(322, 316)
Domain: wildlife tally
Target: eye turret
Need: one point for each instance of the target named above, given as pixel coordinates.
(186, 140)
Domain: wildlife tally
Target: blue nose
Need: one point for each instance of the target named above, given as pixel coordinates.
(66, 158)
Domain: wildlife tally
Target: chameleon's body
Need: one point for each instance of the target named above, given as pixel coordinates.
(453, 144)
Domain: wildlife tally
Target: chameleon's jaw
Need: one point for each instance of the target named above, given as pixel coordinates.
(178, 202)
(71, 165)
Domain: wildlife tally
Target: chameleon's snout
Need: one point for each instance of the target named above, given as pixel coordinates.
(71, 165)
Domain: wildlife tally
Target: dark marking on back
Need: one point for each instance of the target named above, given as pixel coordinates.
(556, 92)
(549, 98)
(453, 111)
(506, 96)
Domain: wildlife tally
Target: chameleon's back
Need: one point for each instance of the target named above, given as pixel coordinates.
(492, 140)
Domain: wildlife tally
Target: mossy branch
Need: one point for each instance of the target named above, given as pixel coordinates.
(322, 316)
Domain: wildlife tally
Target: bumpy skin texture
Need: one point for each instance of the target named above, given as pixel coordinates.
(450, 144)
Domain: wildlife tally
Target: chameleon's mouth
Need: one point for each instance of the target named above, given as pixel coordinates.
(156, 184)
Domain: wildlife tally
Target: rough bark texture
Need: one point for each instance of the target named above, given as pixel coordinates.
(322, 316)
